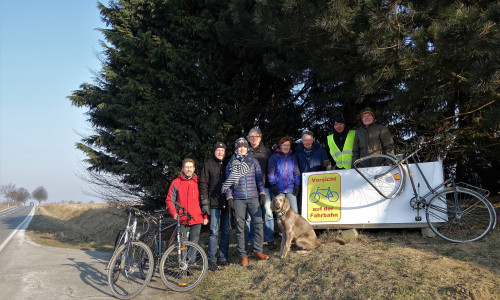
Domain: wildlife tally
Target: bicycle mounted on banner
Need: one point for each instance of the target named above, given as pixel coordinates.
(182, 266)
(455, 212)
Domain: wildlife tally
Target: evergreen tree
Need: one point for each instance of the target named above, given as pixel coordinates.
(179, 75)
(176, 77)
(428, 68)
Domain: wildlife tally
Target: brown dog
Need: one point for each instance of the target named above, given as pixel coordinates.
(294, 228)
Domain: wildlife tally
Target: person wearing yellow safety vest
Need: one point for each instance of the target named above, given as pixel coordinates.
(340, 144)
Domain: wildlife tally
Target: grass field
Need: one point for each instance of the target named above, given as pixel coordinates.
(378, 264)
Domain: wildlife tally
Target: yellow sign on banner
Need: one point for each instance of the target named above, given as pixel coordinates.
(323, 201)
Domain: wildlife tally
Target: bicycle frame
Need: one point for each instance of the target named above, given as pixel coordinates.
(158, 244)
(453, 212)
(158, 234)
(128, 234)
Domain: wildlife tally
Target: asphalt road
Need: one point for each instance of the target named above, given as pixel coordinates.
(32, 271)
(12, 220)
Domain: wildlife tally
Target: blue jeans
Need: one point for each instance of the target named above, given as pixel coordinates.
(219, 226)
(293, 201)
(252, 207)
(268, 221)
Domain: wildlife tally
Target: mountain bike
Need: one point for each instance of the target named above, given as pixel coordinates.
(128, 268)
(456, 212)
(184, 264)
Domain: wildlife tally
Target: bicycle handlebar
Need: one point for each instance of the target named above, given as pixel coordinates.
(147, 215)
(185, 212)
(420, 144)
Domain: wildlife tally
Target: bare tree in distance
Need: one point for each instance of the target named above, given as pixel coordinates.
(9, 192)
(22, 195)
(40, 194)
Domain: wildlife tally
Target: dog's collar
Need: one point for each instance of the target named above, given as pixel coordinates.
(281, 214)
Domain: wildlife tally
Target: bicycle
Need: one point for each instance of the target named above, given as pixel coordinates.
(154, 237)
(184, 264)
(316, 196)
(128, 268)
(454, 213)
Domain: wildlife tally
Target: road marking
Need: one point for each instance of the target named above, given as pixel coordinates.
(28, 219)
(8, 210)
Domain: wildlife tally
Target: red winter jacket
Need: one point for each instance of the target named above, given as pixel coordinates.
(185, 192)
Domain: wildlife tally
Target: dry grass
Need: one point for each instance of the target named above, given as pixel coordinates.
(379, 264)
(87, 226)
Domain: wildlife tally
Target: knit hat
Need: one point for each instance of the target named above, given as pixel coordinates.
(219, 145)
(241, 142)
(338, 119)
(366, 110)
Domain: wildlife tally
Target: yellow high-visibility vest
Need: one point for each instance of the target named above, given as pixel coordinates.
(343, 159)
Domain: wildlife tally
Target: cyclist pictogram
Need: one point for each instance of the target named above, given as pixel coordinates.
(332, 196)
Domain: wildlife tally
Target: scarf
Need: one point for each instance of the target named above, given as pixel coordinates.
(240, 165)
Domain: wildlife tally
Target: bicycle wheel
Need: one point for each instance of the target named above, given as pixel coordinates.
(459, 215)
(127, 275)
(334, 196)
(183, 269)
(387, 177)
(314, 197)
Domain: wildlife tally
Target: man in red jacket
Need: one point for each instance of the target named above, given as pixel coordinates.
(184, 190)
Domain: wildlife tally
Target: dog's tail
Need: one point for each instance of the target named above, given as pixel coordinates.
(341, 242)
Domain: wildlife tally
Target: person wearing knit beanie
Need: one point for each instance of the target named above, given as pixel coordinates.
(340, 143)
(213, 203)
(241, 142)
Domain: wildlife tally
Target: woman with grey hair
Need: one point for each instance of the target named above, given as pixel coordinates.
(311, 156)
(262, 154)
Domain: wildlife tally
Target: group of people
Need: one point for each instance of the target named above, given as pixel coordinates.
(245, 185)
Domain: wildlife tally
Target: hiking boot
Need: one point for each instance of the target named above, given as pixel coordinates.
(223, 263)
(261, 256)
(271, 245)
(212, 266)
(244, 261)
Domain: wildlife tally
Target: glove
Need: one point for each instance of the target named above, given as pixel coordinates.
(262, 199)
(275, 189)
(296, 190)
(205, 209)
(230, 203)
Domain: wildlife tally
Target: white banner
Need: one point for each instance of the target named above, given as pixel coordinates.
(344, 199)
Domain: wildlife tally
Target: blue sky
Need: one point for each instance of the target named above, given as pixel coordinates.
(47, 49)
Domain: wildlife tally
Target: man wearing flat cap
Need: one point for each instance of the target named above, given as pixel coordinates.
(371, 138)
(213, 201)
(340, 143)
